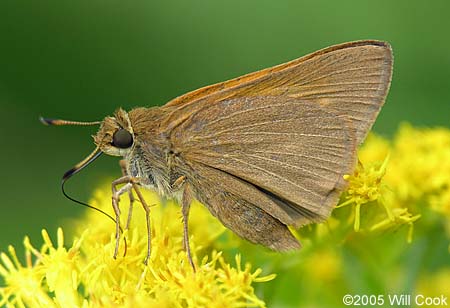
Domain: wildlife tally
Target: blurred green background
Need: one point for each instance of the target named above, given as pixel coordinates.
(80, 60)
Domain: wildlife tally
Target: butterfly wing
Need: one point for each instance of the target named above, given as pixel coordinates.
(280, 140)
(294, 153)
(232, 201)
(351, 79)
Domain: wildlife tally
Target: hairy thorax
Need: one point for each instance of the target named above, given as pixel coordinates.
(157, 170)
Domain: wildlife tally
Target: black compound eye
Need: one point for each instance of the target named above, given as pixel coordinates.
(122, 139)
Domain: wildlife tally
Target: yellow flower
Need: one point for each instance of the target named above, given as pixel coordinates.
(86, 275)
(23, 282)
(374, 149)
(366, 185)
(421, 165)
(401, 216)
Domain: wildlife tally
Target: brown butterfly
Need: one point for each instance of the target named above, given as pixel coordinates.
(262, 151)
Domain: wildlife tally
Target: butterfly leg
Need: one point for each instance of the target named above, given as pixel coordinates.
(186, 203)
(116, 193)
(147, 218)
(123, 167)
(130, 183)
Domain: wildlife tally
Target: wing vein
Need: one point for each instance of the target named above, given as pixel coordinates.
(341, 84)
(323, 67)
(293, 134)
(279, 177)
(237, 127)
(337, 72)
(292, 166)
(297, 155)
(242, 112)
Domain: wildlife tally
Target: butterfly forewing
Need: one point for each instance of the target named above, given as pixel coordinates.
(284, 135)
(352, 79)
(293, 150)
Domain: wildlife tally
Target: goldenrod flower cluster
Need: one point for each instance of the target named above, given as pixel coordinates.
(403, 177)
(85, 274)
(396, 207)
